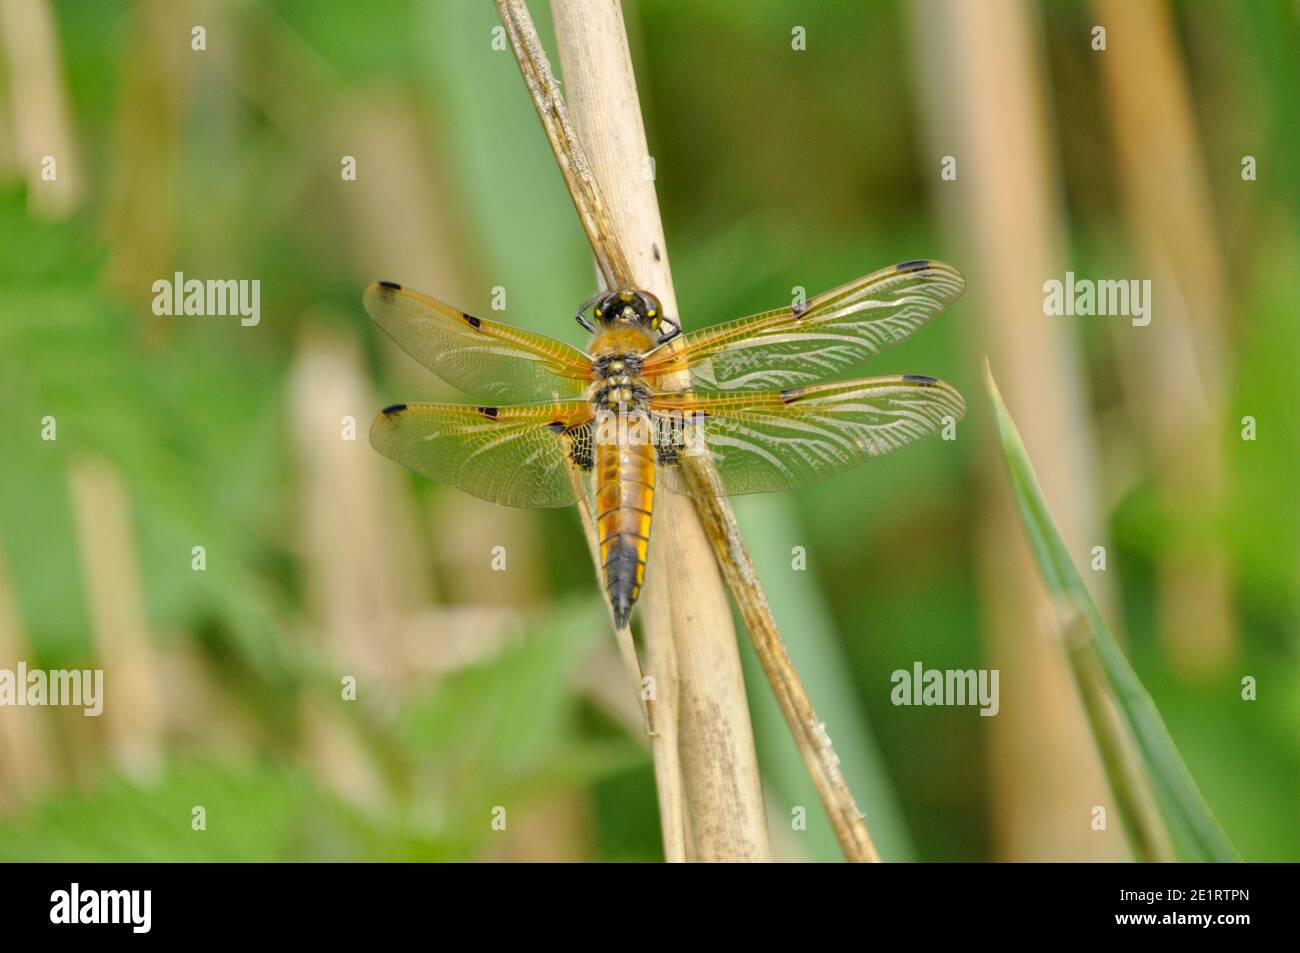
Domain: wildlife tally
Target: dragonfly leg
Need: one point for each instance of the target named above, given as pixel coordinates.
(581, 316)
(675, 332)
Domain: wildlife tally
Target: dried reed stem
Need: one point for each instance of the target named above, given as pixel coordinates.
(1174, 369)
(41, 125)
(980, 76)
(809, 733)
(590, 36)
(615, 271)
(585, 30)
(136, 710)
(689, 635)
(611, 259)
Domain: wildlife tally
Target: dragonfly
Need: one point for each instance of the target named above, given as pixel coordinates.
(761, 404)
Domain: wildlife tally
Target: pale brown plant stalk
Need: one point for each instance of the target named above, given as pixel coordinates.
(615, 271)
(593, 50)
(979, 73)
(809, 732)
(119, 624)
(41, 126)
(1173, 369)
(705, 748)
(611, 260)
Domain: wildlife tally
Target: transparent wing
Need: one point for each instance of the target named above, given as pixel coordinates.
(519, 456)
(483, 358)
(835, 331)
(784, 439)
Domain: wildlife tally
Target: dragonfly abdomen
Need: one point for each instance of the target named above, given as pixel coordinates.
(625, 490)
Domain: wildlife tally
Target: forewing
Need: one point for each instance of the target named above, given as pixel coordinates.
(519, 456)
(835, 331)
(779, 440)
(483, 358)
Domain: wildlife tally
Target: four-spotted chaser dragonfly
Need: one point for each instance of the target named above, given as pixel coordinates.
(758, 404)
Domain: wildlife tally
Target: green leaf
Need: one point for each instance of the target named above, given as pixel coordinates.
(1185, 812)
(259, 811)
(507, 732)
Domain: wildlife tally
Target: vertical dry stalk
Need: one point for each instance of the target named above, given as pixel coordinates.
(615, 271)
(610, 253)
(358, 583)
(685, 612)
(141, 188)
(345, 497)
(593, 48)
(1173, 368)
(40, 116)
(134, 706)
(977, 65)
(690, 639)
(809, 732)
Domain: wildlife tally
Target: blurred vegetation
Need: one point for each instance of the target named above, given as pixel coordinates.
(774, 169)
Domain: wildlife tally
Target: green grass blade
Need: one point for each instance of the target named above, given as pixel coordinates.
(1185, 812)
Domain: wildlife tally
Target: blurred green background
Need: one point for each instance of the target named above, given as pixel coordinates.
(776, 167)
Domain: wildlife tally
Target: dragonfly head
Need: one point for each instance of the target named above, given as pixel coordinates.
(630, 308)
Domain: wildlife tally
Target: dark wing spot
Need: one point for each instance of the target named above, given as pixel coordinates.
(392, 409)
(390, 285)
(920, 379)
(580, 446)
(472, 321)
(489, 412)
(792, 393)
(916, 265)
(654, 247)
(556, 426)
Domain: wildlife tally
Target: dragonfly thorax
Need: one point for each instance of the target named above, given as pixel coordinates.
(619, 386)
(617, 366)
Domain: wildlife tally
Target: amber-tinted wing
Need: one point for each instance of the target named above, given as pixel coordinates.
(835, 331)
(519, 456)
(483, 358)
(784, 439)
